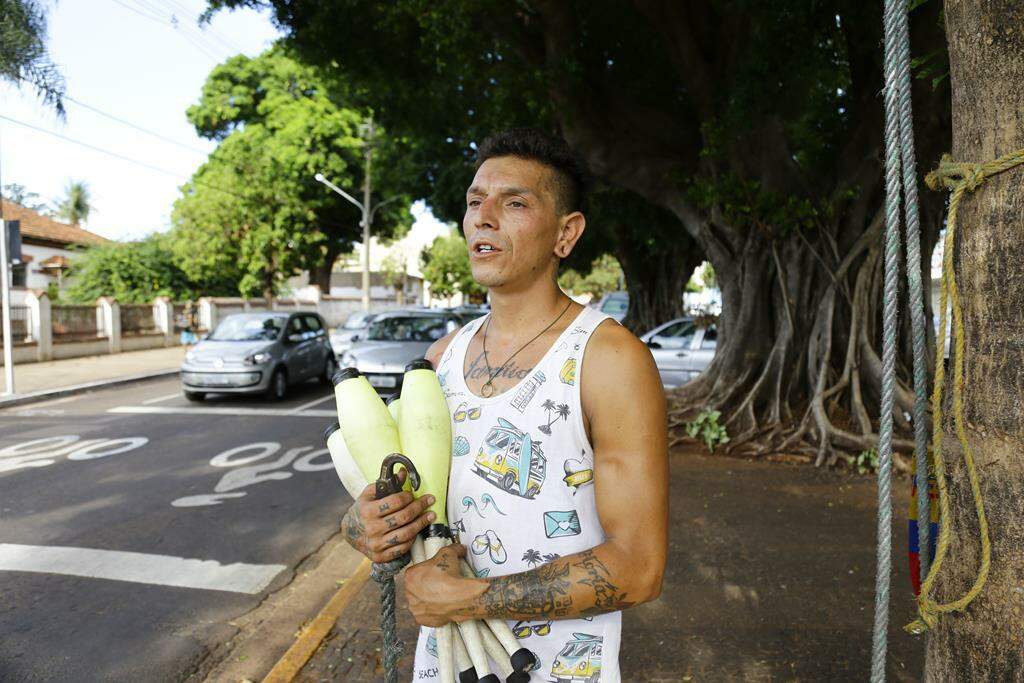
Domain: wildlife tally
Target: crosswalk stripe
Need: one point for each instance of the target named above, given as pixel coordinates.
(202, 410)
(117, 565)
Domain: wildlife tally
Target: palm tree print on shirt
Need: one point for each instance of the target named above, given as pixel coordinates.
(560, 412)
(532, 557)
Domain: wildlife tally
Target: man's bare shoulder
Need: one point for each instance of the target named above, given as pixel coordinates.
(617, 363)
(438, 348)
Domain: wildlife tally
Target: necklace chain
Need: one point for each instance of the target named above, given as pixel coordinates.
(488, 387)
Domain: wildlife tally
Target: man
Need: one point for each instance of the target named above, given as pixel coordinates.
(559, 481)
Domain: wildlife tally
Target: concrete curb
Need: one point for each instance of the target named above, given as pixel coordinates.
(46, 394)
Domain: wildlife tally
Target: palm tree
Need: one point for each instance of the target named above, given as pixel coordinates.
(551, 556)
(531, 557)
(563, 411)
(75, 206)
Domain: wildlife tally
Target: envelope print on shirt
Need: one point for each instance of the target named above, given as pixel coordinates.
(558, 523)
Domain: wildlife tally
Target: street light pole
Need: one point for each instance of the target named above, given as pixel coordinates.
(366, 208)
(367, 217)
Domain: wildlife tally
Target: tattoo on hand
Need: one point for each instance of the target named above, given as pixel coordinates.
(390, 521)
(354, 529)
(393, 541)
(607, 597)
(384, 507)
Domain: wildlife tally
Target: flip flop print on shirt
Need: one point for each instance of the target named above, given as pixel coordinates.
(488, 542)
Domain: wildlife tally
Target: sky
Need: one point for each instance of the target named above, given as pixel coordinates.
(142, 61)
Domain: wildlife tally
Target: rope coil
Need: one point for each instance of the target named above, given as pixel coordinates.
(960, 178)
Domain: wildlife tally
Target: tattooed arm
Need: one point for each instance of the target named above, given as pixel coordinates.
(624, 408)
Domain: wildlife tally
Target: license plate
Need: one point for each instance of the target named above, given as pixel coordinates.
(382, 381)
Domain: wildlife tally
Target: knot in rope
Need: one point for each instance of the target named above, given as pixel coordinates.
(953, 174)
(959, 177)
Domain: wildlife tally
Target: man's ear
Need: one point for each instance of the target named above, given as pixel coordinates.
(570, 232)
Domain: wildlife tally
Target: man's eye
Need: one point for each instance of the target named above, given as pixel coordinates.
(473, 202)
(517, 205)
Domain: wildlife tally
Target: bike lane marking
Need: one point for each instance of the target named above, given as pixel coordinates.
(158, 570)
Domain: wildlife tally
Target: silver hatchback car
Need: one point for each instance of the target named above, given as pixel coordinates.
(681, 349)
(259, 353)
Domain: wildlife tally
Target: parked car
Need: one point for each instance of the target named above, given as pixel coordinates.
(253, 353)
(681, 349)
(394, 339)
(354, 327)
(467, 313)
(614, 304)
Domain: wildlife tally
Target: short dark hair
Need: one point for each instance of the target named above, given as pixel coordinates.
(570, 172)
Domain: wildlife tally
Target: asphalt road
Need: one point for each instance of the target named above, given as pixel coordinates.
(136, 525)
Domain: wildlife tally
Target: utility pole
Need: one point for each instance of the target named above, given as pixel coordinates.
(5, 288)
(366, 215)
(368, 210)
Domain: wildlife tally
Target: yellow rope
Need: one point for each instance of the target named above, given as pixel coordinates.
(960, 178)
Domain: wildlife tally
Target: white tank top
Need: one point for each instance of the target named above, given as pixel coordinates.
(521, 493)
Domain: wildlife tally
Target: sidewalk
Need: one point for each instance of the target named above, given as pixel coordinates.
(56, 374)
(770, 577)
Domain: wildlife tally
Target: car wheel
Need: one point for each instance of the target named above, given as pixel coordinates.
(195, 396)
(278, 388)
(330, 367)
(509, 482)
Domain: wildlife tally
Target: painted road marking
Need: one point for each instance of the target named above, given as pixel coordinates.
(55, 401)
(241, 412)
(312, 403)
(158, 399)
(158, 570)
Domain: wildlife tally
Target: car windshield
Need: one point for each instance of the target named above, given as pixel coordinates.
(358, 320)
(248, 328)
(419, 328)
(615, 305)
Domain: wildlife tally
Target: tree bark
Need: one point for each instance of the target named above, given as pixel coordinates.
(656, 282)
(986, 641)
(320, 274)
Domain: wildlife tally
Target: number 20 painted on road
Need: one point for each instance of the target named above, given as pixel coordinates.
(44, 452)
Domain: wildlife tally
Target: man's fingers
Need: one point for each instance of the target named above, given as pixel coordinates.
(368, 493)
(391, 553)
(402, 535)
(408, 513)
(386, 505)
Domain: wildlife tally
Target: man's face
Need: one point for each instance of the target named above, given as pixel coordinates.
(512, 222)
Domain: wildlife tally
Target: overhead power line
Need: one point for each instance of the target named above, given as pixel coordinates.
(134, 125)
(211, 53)
(121, 157)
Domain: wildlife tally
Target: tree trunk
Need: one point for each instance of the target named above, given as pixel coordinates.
(986, 641)
(321, 272)
(656, 282)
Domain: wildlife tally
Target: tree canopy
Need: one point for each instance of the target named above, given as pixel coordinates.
(136, 272)
(76, 204)
(445, 266)
(254, 209)
(23, 54)
(768, 159)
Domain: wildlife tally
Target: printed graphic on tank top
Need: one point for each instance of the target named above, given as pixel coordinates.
(521, 494)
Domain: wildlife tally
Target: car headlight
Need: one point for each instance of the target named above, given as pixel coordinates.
(257, 358)
(190, 356)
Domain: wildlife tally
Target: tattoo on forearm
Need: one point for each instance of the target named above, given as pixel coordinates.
(541, 593)
(547, 592)
(607, 597)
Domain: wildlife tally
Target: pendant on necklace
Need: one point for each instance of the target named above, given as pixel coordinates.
(487, 389)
